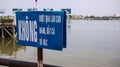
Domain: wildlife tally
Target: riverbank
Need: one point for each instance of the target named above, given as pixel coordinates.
(80, 17)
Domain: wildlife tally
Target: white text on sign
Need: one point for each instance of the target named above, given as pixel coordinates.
(50, 18)
(47, 29)
(27, 30)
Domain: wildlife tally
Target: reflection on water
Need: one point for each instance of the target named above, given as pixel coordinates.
(89, 44)
(9, 47)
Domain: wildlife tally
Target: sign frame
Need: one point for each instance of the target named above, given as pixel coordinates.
(54, 22)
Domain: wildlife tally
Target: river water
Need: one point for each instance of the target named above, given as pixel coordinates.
(90, 43)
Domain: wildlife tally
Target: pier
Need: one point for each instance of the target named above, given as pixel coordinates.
(7, 29)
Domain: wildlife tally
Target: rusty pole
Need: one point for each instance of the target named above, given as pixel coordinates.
(40, 57)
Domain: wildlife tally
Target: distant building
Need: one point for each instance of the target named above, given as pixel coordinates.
(51, 9)
(32, 9)
(2, 12)
(68, 11)
(16, 10)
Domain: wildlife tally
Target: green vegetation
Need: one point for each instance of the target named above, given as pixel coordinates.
(92, 17)
(4, 19)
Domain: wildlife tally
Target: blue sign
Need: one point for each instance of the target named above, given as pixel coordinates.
(42, 29)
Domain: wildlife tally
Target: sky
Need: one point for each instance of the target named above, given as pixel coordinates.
(80, 7)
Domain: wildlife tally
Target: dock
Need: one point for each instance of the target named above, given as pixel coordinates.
(7, 29)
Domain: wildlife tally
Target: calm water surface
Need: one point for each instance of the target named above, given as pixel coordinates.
(89, 44)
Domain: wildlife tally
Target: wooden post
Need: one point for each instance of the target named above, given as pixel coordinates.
(8, 32)
(13, 31)
(2, 33)
(40, 57)
(2, 42)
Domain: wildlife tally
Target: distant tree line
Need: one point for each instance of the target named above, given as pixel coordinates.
(92, 17)
(4, 19)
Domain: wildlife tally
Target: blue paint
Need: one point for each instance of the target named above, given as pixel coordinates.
(42, 29)
(64, 31)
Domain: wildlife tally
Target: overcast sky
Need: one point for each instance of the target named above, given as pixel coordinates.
(81, 7)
